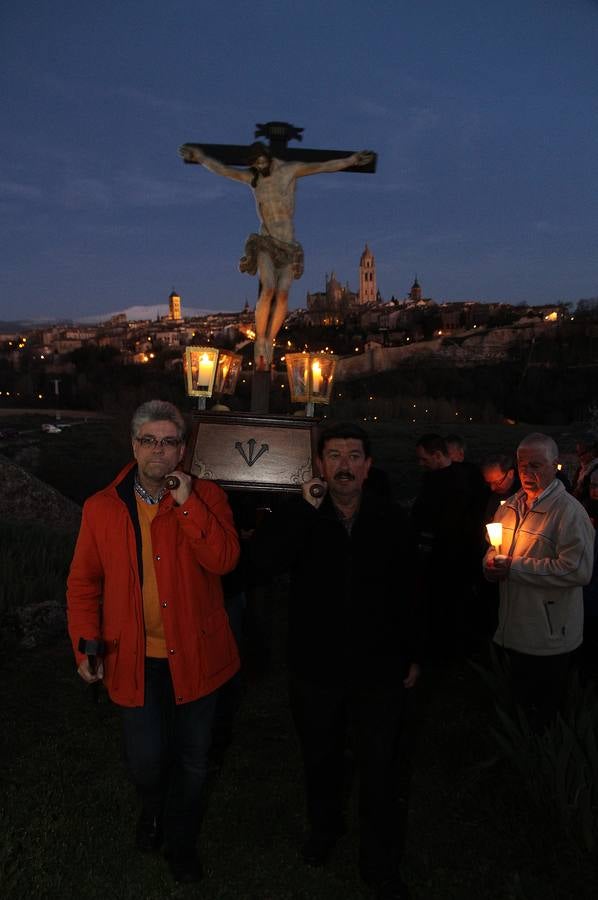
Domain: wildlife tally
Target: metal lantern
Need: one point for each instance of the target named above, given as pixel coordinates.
(227, 372)
(200, 372)
(310, 378)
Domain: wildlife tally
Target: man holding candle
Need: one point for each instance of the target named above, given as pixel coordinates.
(546, 558)
(353, 649)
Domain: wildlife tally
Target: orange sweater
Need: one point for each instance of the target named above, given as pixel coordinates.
(155, 642)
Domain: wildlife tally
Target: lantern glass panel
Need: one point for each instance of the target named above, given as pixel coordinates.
(229, 366)
(310, 377)
(200, 370)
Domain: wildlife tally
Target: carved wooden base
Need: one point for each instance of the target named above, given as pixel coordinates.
(251, 452)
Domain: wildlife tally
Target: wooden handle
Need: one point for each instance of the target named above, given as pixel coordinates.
(172, 482)
(317, 491)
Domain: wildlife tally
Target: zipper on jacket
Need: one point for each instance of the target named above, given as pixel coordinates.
(510, 553)
(546, 604)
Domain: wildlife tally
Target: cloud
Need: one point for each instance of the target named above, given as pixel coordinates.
(367, 107)
(140, 313)
(85, 192)
(134, 190)
(152, 101)
(545, 226)
(17, 191)
(139, 190)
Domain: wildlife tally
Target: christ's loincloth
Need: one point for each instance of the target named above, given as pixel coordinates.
(282, 254)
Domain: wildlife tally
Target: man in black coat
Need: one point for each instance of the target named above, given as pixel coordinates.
(352, 647)
(446, 518)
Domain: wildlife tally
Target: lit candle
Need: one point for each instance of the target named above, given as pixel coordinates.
(494, 530)
(316, 375)
(205, 372)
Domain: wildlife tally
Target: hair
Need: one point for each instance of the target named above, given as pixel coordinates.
(257, 149)
(344, 431)
(158, 411)
(537, 439)
(503, 462)
(456, 440)
(432, 443)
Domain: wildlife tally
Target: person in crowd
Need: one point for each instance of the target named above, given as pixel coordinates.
(586, 448)
(546, 557)
(500, 475)
(145, 579)
(589, 654)
(446, 517)
(455, 446)
(353, 648)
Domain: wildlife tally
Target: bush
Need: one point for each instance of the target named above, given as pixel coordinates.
(35, 562)
(558, 767)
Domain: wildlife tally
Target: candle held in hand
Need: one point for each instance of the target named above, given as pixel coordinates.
(494, 530)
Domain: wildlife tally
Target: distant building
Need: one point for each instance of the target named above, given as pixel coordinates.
(174, 307)
(332, 305)
(117, 319)
(368, 292)
(415, 294)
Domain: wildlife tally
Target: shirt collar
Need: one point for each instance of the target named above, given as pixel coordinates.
(545, 493)
(143, 494)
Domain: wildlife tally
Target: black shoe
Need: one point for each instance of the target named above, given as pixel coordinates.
(317, 849)
(148, 836)
(185, 869)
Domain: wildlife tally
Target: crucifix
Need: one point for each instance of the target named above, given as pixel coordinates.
(271, 171)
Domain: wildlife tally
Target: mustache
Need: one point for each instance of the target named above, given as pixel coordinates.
(343, 474)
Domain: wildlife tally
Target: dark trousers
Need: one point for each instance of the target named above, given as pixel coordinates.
(166, 749)
(538, 685)
(323, 715)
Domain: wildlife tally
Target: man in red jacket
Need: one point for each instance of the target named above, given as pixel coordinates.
(145, 578)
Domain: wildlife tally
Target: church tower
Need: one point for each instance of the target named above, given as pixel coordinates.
(415, 294)
(174, 307)
(367, 277)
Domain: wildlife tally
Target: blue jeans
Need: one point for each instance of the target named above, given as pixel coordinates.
(166, 750)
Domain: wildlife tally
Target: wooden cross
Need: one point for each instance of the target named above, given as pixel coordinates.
(278, 135)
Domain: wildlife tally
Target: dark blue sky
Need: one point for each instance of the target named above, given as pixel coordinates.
(484, 116)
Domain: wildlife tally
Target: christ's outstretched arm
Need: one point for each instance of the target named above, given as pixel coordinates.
(194, 154)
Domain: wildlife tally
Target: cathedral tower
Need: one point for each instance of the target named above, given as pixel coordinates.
(174, 307)
(367, 277)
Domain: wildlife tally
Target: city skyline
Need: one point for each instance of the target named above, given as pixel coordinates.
(484, 120)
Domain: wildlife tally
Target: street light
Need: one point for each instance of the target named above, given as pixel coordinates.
(310, 378)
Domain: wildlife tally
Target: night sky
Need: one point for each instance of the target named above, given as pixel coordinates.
(484, 116)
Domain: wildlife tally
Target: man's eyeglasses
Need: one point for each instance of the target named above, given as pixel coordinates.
(149, 441)
(496, 485)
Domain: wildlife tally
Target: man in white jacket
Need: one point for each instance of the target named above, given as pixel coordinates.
(546, 557)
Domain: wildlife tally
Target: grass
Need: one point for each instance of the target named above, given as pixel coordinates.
(34, 563)
(68, 814)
